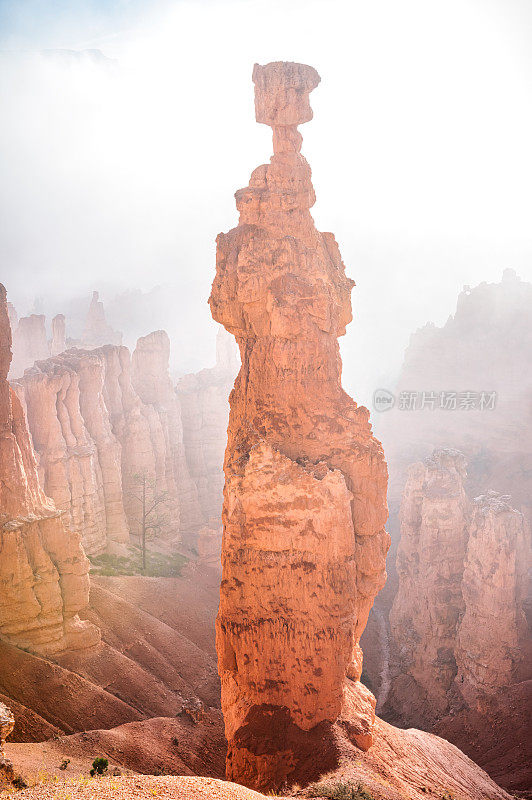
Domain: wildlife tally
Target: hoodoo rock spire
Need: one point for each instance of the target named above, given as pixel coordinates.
(304, 544)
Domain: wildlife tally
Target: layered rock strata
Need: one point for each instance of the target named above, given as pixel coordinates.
(44, 580)
(79, 455)
(458, 621)
(104, 425)
(304, 544)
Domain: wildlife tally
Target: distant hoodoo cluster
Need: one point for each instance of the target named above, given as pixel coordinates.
(458, 621)
(304, 544)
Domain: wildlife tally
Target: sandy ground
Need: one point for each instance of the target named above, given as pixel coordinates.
(136, 788)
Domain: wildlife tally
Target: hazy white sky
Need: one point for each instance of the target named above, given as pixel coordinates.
(119, 173)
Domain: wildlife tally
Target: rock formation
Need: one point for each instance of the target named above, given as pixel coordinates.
(13, 317)
(58, 343)
(304, 543)
(79, 456)
(44, 579)
(458, 619)
(493, 646)
(29, 344)
(96, 331)
(103, 424)
(7, 723)
(151, 381)
(430, 562)
(204, 399)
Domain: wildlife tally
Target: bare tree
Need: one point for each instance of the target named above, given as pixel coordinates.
(150, 500)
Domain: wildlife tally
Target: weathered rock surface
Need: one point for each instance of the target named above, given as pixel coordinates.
(204, 400)
(493, 647)
(304, 544)
(44, 581)
(97, 332)
(458, 618)
(7, 723)
(103, 424)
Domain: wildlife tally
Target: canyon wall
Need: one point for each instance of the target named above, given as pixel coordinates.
(458, 621)
(107, 426)
(204, 400)
(151, 381)
(468, 385)
(493, 645)
(44, 580)
(304, 544)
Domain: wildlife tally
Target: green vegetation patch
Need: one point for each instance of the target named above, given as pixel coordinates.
(158, 565)
(99, 766)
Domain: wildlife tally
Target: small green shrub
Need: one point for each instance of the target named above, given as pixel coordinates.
(99, 766)
(339, 790)
(64, 764)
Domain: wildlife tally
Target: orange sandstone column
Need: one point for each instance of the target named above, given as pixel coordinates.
(304, 544)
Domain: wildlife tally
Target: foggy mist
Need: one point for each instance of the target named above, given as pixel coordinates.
(126, 130)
